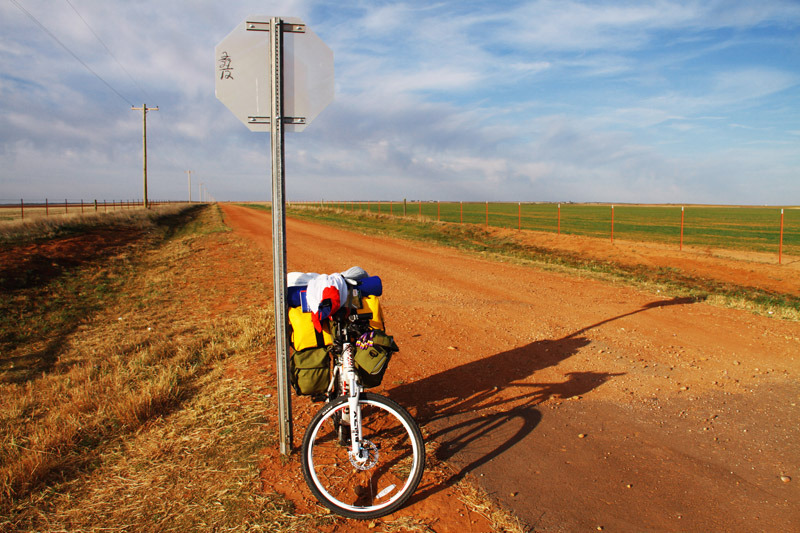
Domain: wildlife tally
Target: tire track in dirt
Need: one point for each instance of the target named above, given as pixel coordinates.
(578, 403)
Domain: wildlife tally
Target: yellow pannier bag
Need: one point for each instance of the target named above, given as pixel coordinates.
(303, 333)
(371, 304)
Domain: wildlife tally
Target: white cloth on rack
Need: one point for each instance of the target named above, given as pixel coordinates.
(326, 286)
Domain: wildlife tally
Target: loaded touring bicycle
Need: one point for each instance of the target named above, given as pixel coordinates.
(362, 454)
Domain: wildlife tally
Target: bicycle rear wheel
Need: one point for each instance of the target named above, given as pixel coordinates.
(373, 487)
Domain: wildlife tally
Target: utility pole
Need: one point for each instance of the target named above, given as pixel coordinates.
(189, 172)
(144, 109)
(201, 192)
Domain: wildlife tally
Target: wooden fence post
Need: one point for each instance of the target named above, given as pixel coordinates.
(22, 208)
(682, 214)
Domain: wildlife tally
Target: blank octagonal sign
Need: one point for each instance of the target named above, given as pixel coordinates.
(242, 73)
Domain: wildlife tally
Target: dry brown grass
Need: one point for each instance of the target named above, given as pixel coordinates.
(194, 469)
(51, 226)
(479, 501)
(139, 426)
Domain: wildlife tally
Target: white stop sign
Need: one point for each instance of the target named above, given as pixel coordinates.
(242, 73)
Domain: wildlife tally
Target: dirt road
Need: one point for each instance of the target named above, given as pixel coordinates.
(579, 404)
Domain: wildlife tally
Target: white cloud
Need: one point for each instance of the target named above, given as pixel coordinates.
(749, 83)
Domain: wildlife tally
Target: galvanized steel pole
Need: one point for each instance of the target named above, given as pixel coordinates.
(279, 235)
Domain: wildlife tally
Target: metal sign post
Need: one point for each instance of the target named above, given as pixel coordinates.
(279, 235)
(284, 56)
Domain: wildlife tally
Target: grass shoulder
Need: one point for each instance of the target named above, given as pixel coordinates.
(137, 406)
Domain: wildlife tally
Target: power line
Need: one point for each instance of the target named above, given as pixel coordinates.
(108, 50)
(73, 54)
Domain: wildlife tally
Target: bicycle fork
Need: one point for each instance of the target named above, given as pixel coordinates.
(358, 452)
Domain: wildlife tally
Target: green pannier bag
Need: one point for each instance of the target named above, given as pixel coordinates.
(310, 371)
(374, 349)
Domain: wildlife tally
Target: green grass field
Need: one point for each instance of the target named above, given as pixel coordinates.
(738, 228)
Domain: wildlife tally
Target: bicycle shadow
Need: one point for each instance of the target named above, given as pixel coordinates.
(474, 385)
(467, 416)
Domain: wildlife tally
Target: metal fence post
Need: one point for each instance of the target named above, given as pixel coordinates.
(780, 245)
(612, 223)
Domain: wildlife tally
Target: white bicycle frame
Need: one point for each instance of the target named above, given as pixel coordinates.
(348, 381)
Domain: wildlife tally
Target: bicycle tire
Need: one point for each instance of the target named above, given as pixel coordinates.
(386, 480)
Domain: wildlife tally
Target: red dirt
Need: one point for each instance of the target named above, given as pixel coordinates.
(578, 404)
(36, 263)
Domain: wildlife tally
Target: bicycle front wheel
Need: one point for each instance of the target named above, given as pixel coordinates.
(380, 482)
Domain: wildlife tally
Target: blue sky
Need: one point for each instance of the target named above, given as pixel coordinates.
(610, 101)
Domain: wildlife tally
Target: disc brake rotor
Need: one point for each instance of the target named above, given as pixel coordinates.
(369, 461)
